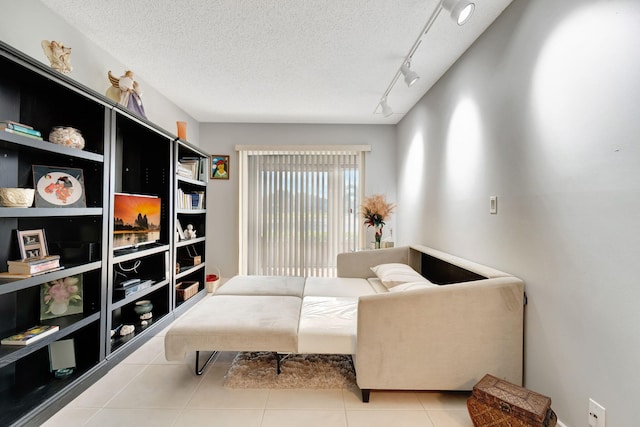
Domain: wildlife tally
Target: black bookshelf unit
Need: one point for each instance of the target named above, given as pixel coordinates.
(189, 255)
(123, 153)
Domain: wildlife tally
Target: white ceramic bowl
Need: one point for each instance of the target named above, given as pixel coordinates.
(16, 197)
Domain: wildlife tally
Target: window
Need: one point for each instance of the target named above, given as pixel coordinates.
(299, 209)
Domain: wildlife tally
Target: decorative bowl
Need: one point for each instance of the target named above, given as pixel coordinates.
(67, 136)
(143, 307)
(16, 197)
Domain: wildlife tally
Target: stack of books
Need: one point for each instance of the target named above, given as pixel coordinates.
(188, 167)
(20, 129)
(32, 266)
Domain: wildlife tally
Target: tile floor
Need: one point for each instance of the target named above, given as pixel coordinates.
(146, 390)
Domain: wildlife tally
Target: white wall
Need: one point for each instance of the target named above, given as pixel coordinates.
(222, 195)
(543, 111)
(26, 23)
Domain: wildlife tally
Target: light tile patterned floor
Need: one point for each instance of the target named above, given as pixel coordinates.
(146, 390)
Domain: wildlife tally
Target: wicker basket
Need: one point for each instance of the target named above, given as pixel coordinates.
(185, 290)
(212, 282)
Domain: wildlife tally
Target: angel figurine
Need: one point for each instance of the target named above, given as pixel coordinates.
(58, 54)
(126, 92)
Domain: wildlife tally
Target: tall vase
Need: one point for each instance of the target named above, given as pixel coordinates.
(378, 235)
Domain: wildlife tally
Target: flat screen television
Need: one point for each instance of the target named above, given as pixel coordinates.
(136, 220)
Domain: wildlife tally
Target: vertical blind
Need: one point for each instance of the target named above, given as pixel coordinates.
(301, 210)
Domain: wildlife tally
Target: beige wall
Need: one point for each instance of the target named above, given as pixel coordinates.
(543, 111)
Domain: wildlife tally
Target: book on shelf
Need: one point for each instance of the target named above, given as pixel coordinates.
(19, 127)
(188, 168)
(34, 268)
(13, 122)
(30, 335)
(34, 260)
(17, 132)
(10, 275)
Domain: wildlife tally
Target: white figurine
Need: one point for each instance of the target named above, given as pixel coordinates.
(189, 233)
(126, 91)
(58, 54)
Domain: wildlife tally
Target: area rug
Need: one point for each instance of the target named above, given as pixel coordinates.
(311, 371)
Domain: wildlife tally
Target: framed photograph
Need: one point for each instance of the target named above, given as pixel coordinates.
(219, 167)
(58, 187)
(62, 297)
(32, 243)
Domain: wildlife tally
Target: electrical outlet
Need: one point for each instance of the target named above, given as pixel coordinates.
(596, 414)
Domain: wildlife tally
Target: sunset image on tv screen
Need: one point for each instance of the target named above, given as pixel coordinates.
(136, 219)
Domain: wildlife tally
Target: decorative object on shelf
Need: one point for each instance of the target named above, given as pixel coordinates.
(126, 330)
(58, 54)
(62, 358)
(126, 92)
(16, 197)
(219, 167)
(375, 210)
(213, 281)
(191, 258)
(67, 136)
(32, 243)
(62, 297)
(185, 290)
(189, 233)
(58, 187)
(143, 309)
(182, 130)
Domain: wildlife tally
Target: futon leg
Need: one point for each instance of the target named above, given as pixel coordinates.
(278, 370)
(365, 394)
(199, 370)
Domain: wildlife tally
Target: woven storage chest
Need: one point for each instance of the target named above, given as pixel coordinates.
(499, 403)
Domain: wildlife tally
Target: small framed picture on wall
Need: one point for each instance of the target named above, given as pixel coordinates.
(219, 167)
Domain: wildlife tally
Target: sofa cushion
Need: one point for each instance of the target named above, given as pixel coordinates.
(337, 287)
(263, 285)
(328, 325)
(394, 274)
(377, 285)
(411, 286)
(236, 323)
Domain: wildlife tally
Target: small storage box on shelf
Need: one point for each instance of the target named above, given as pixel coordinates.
(185, 290)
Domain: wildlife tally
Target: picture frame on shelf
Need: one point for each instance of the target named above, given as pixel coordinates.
(32, 243)
(58, 187)
(219, 166)
(62, 297)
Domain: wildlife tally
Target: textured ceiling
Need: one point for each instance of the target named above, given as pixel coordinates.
(279, 61)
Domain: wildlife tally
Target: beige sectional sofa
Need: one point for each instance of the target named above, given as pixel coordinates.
(441, 326)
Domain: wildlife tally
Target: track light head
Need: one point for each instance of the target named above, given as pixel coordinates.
(410, 76)
(386, 110)
(461, 10)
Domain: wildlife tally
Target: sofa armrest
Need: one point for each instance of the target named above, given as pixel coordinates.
(358, 264)
(441, 338)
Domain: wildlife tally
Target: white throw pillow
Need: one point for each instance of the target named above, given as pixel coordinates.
(394, 274)
(411, 286)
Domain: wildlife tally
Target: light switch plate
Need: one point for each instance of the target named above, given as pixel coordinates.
(493, 205)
